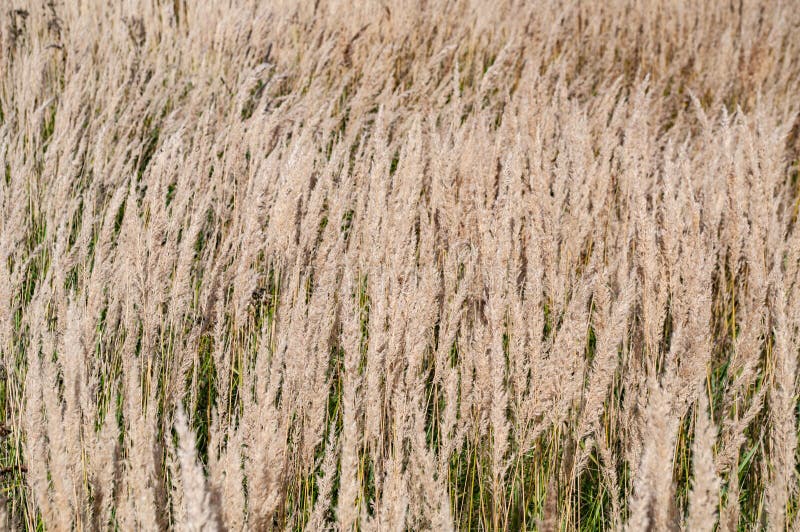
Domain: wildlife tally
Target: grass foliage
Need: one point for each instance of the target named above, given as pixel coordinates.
(408, 265)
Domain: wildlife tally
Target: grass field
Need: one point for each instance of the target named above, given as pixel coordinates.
(409, 265)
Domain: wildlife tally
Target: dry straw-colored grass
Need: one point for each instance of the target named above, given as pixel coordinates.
(399, 266)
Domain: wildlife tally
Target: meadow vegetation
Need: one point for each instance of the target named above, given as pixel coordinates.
(408, 265)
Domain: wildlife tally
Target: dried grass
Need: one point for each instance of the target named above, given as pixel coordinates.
(387, 266)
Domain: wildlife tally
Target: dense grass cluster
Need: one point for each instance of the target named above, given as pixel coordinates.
(408, 265)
